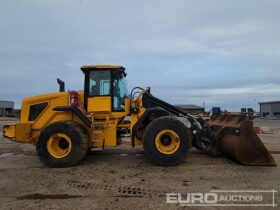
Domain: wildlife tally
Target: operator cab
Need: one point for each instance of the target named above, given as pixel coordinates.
(105, 88)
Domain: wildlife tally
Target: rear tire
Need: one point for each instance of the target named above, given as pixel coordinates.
(166, 141)
(62, 144)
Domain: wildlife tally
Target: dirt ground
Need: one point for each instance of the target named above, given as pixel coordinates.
(122, 178)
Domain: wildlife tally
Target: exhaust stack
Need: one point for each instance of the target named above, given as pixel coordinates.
(61, 85)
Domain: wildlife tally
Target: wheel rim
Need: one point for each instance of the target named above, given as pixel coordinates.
(167, 141)
(59, 145)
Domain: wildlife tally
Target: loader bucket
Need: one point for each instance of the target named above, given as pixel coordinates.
(235, 138)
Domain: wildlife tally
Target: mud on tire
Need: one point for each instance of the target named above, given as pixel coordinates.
(149, 141)
(75, 134)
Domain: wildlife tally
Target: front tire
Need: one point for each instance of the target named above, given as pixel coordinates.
(166, 141)
(62, 144)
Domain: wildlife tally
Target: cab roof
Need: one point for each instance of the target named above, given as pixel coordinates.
(100, 67)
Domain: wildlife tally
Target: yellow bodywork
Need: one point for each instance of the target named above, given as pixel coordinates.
(103, 131)
(98, 119)
(45, 118)
(101, 67)
(99, 104)
(21, 132)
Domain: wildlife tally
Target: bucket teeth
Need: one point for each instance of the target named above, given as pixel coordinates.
(233, 136)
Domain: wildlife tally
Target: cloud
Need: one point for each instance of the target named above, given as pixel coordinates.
(222, 52)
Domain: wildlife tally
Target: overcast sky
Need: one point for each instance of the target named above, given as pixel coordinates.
(224, 53)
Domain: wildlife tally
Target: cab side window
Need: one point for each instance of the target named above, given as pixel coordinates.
(120, 91)
(99, 83)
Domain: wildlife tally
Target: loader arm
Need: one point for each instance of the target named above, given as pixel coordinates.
(149, 101)
(230, 135)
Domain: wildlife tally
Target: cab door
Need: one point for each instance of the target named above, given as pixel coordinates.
(98, 91)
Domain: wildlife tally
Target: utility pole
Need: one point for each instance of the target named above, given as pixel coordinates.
(256, 105)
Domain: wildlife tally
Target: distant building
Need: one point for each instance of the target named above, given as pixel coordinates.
(6, 108)
(190, 108)
(270, 109)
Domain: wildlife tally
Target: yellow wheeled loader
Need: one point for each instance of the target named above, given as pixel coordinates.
(65, 125)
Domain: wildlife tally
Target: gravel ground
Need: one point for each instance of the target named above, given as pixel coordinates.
(122, 178)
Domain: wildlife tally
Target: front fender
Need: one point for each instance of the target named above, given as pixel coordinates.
(149, 115)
